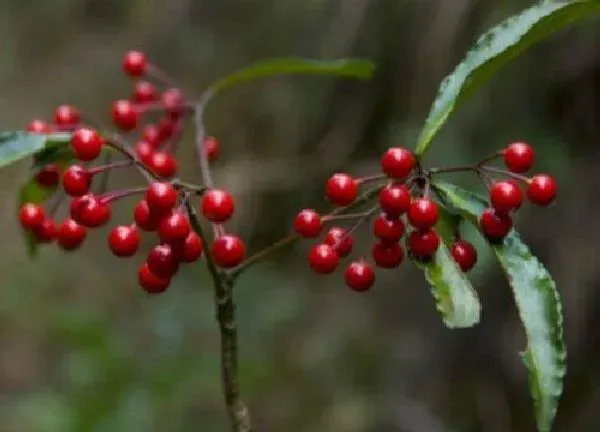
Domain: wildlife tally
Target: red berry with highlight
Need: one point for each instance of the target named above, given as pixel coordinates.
(86, 144)
(135, 63)
(340, 240)
(359, 276)
(144, 92)
(217, 205)
(341, 189)
(173, 101)
(506, 196)
(394, 199)
(388, 229)
(323, 259)
(76, 181)
(228, 251)
(397, 162)
(387, 256)
(163, 164)
(542, 190)
(151, 134)
(308, 223)
(161, 197)
(174, 228)
(66, 115)
(125, 115)
(423, 213)
(124, 240)
(212, 148)
(144, 151)
(39, 127)
(70, 235)
(144, 218)
(423, 243)
(93, 212)
(190, 249)
(495, 226)
(464, 254)
(31, 216)
(48, 176)
(150, 282)
(519, 157)
(46, 232)
(163, 261)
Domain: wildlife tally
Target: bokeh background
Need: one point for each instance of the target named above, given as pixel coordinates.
(83, 349)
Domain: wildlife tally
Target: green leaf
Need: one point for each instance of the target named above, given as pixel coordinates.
(454, 295)
(351, 68)
(495, 48)
(15, 146)
(538, 303)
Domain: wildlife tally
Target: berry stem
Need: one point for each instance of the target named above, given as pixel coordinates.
(489, 158)
(161, 76)
(116, 195)
(516, 176)
(237, 411)
(348, 216)
(117, 143)
(357, 225)
(460, 168)
(372, 178)
(109, 166)
(103, 184)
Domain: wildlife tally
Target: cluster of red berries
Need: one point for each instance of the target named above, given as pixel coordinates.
(159, 211)
(506, 197)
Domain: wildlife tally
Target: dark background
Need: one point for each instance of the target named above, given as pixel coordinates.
(83, 349)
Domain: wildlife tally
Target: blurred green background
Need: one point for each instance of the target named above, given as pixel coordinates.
(83, 349)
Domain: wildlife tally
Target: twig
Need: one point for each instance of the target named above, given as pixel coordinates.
(494, 170)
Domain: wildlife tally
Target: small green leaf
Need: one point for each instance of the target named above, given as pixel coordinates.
(538, 303)
(15, 146)
(351, 68)
(454, 295)
(495, 48)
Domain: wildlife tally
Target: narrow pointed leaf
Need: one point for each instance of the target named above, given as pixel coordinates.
(455, 298)
(494, 49)
(538, 303)
(350, 68)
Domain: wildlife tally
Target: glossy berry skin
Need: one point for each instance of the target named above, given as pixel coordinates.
(341, 189)
(76, 181)
(135, 63)
(464, 254)
(359, 276)
(397, 163)
(46, 232)
(31, 216)
(86, 144)
(144, 218)
(174, 227)
(162, 261)
(519, 157)
(217, 205)
(542, 190)
(495, 226)
(39, 127)
(48, 176)
(394, 200)
(144, 92)
(228, 251)
(173, 102)
(387, 256)
(144, 151)
(339, 239)
(124, 240)
(161, 197)
(77, 203)
(151, 134)
(150, 282)
(388, 229)
(423, 243)
(163, 164)
(70, 235)
(190, 249)
(125, 115)
(93, 212)
(212, 148)
(307, 223)
(66, 115)
(506, 196)
(423, 213)
(166, 127)
(323, 259)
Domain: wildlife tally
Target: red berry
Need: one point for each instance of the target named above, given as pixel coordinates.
(150, 282)
(162, 261)
(394, 199)
(341, 189)
(144, 218)
(163, 164)
(519, 157)
(211, 148)
(31, 216)
(76, 181)
(228, 251)
(340, 240)
(144, 151)
(94, 213)
(542, 190)
(166, 127)
(423, 213)
(386, 255)
(70, 234)
(308, 224)
(135, 63)
(48, 176)
(190, 249)
(124, 240)
(323, 259)
(125, 115)
(175, 227)
(46, 232)
(423, 243)
(495, 226)
(161, 197)
(397, 162)
(144, 92)
(359, 276)
(66, 115)
(39, 127)
(506, 196)
(217, 205)
(173, 101)
(388, 229)
(86, 144)
(464, 254)
(151, 134)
